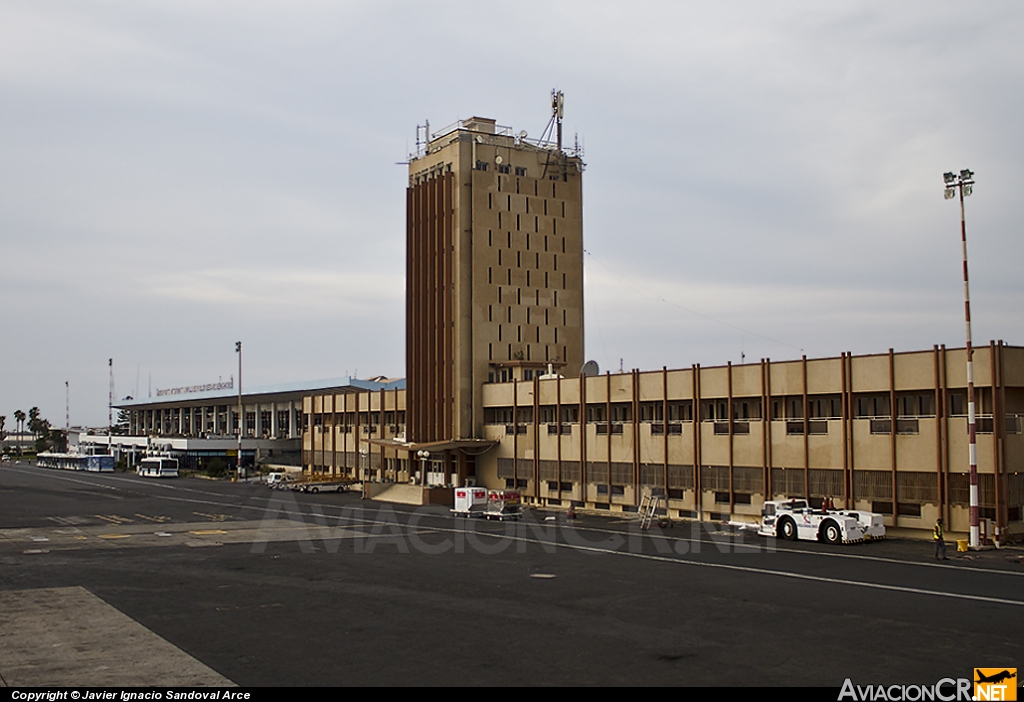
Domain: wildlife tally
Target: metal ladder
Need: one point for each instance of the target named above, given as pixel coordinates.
(649, 504)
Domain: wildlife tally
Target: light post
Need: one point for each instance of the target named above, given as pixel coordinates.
(964, 183)
(241, 414)
(424, 456)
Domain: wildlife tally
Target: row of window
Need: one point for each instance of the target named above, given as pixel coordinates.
(508, 242)
(531, 312)
(502, 295)
(865, 407)
(349, 418)
(653, 413)
(536, 260)
(525, 353)
(518, 185)
(493, 200)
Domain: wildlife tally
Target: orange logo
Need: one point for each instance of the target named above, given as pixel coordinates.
(995, 684)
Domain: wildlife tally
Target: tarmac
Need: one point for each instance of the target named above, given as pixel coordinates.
(263, 587)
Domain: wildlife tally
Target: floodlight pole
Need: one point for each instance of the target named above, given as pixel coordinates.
(965, 180)
(241, 414)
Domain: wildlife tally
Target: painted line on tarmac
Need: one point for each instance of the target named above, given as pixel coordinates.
(828, 554)
(755, 548)
(620, 533)
(724, 566)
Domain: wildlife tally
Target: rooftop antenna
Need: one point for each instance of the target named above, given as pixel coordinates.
(67, 409)
(557, 109)
(555, 123)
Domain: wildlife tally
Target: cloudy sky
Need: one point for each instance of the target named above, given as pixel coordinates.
(763, 179)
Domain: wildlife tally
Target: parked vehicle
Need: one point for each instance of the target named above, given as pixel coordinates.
(470, 501)
(157, 467)
(795, 519)
(74, 461)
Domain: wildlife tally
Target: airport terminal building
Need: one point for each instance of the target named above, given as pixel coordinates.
(497, 392)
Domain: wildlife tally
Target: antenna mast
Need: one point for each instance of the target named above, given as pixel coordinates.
(557, 109)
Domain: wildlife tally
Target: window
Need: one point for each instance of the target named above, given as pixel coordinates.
(520, 171)
(957, 404)
(504, 168)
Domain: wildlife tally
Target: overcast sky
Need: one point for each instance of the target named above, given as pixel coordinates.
(763, 179)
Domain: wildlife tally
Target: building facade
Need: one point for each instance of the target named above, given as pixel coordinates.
(497, 394)
(885, 433)
(494, 285)
(196, 424)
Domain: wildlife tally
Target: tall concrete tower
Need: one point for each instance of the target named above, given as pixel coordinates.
(494, 283)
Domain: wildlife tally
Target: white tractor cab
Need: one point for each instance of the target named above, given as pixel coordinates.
(277, 479)
(795, 519)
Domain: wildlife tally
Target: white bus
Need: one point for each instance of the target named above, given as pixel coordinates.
(158, 467)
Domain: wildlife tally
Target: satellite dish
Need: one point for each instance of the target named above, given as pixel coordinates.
(497, 159)
(522, 134)
(590, 369)
(479, 140)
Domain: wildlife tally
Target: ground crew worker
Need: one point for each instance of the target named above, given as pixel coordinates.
(940, 543)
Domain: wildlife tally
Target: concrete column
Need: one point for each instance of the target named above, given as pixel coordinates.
(292, 420)
(259, 421)
(273, 419)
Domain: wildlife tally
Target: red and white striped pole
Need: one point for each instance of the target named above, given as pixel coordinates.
(965, 184)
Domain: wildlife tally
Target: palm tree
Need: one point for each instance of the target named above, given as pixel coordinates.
(19, 417)
(33, 422)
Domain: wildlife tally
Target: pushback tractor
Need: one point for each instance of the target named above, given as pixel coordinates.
(795, 519)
